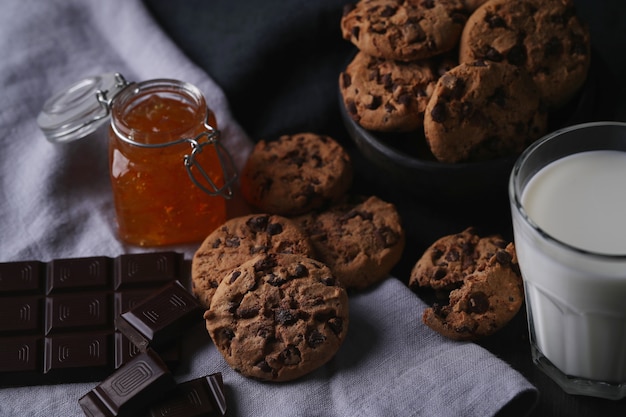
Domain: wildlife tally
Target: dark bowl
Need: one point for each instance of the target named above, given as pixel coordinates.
(405, 159)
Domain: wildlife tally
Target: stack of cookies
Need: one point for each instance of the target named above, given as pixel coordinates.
(477, 78)
(275, 282)
(477, 280)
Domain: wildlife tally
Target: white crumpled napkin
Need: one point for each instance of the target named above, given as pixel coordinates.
(55, 201)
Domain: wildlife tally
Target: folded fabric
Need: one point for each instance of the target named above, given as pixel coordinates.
(56, 202)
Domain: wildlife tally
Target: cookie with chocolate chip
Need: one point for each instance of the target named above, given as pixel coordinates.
(278, 317)
(238, 240)
(483, 110)
(545, 37)
(360, 239)
(296, 173)
(446, 263)
(485, 302)
(406, 30)
(385, 95)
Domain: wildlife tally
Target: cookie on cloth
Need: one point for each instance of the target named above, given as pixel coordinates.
(360, 239)
(483, 110)
(296, 174)
(404, 30)
(238, 240)
(386, 95)
(543, 36)
(446, 263)
(484, 303)
(278, 317)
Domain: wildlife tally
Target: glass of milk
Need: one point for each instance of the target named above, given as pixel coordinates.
(568, 202)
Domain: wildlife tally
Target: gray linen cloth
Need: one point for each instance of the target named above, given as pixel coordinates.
(55, 201)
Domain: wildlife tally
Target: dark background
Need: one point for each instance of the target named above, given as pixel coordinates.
(278, 62)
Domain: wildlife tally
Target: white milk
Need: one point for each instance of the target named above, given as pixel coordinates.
(577, 301)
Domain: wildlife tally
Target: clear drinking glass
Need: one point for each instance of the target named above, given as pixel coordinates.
(575, 293)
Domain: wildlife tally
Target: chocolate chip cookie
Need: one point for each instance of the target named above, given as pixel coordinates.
(278, 317)
(238, 240)
(486, 301)
(483, 110)
(404, 30)
(543, 36)
(448, 261)
(296, 174)
(360, 239)
(386, 95)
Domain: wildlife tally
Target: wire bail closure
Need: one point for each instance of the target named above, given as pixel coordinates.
(211, 138)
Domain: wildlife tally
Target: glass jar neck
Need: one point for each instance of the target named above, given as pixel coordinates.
(159, 111)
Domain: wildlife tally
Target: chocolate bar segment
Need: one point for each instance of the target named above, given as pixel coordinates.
(160, 318)
(130, 389)
(200, 397)
(57, 319)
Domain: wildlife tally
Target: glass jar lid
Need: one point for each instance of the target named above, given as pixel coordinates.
(80, 109)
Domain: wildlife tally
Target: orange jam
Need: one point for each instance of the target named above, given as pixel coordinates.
(156, 202)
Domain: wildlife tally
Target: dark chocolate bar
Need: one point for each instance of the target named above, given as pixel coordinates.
(130, 389)
(200, 397)
(161, 317)
(57, 319)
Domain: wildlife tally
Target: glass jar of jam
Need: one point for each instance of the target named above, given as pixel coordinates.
(169, 173)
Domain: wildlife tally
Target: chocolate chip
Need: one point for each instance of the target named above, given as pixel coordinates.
(232, 242)
(264, 366)
(478, 303)
(257, 224)
(494, 21)
(439, 113)
(388, 11)
(336, 325)
(247, 313)
(265, 264)
(492, 54)
(274, 229)
(517, 55)
(265, 332)
(386, 236)
(295, 158)
(290, 356)
(376, 102)
(503, 257)
(328, 281)
(440, 273)
(285, 317)
(276, 280)
(352, 109)
(315, 339)
(216, 243)
(436, 254)
(428, 4)
(387, 81)
(346, 79)
(234, 276)
(301, 271)
(232, 307)
(355, 32)
(226, 333)
(405, 98)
